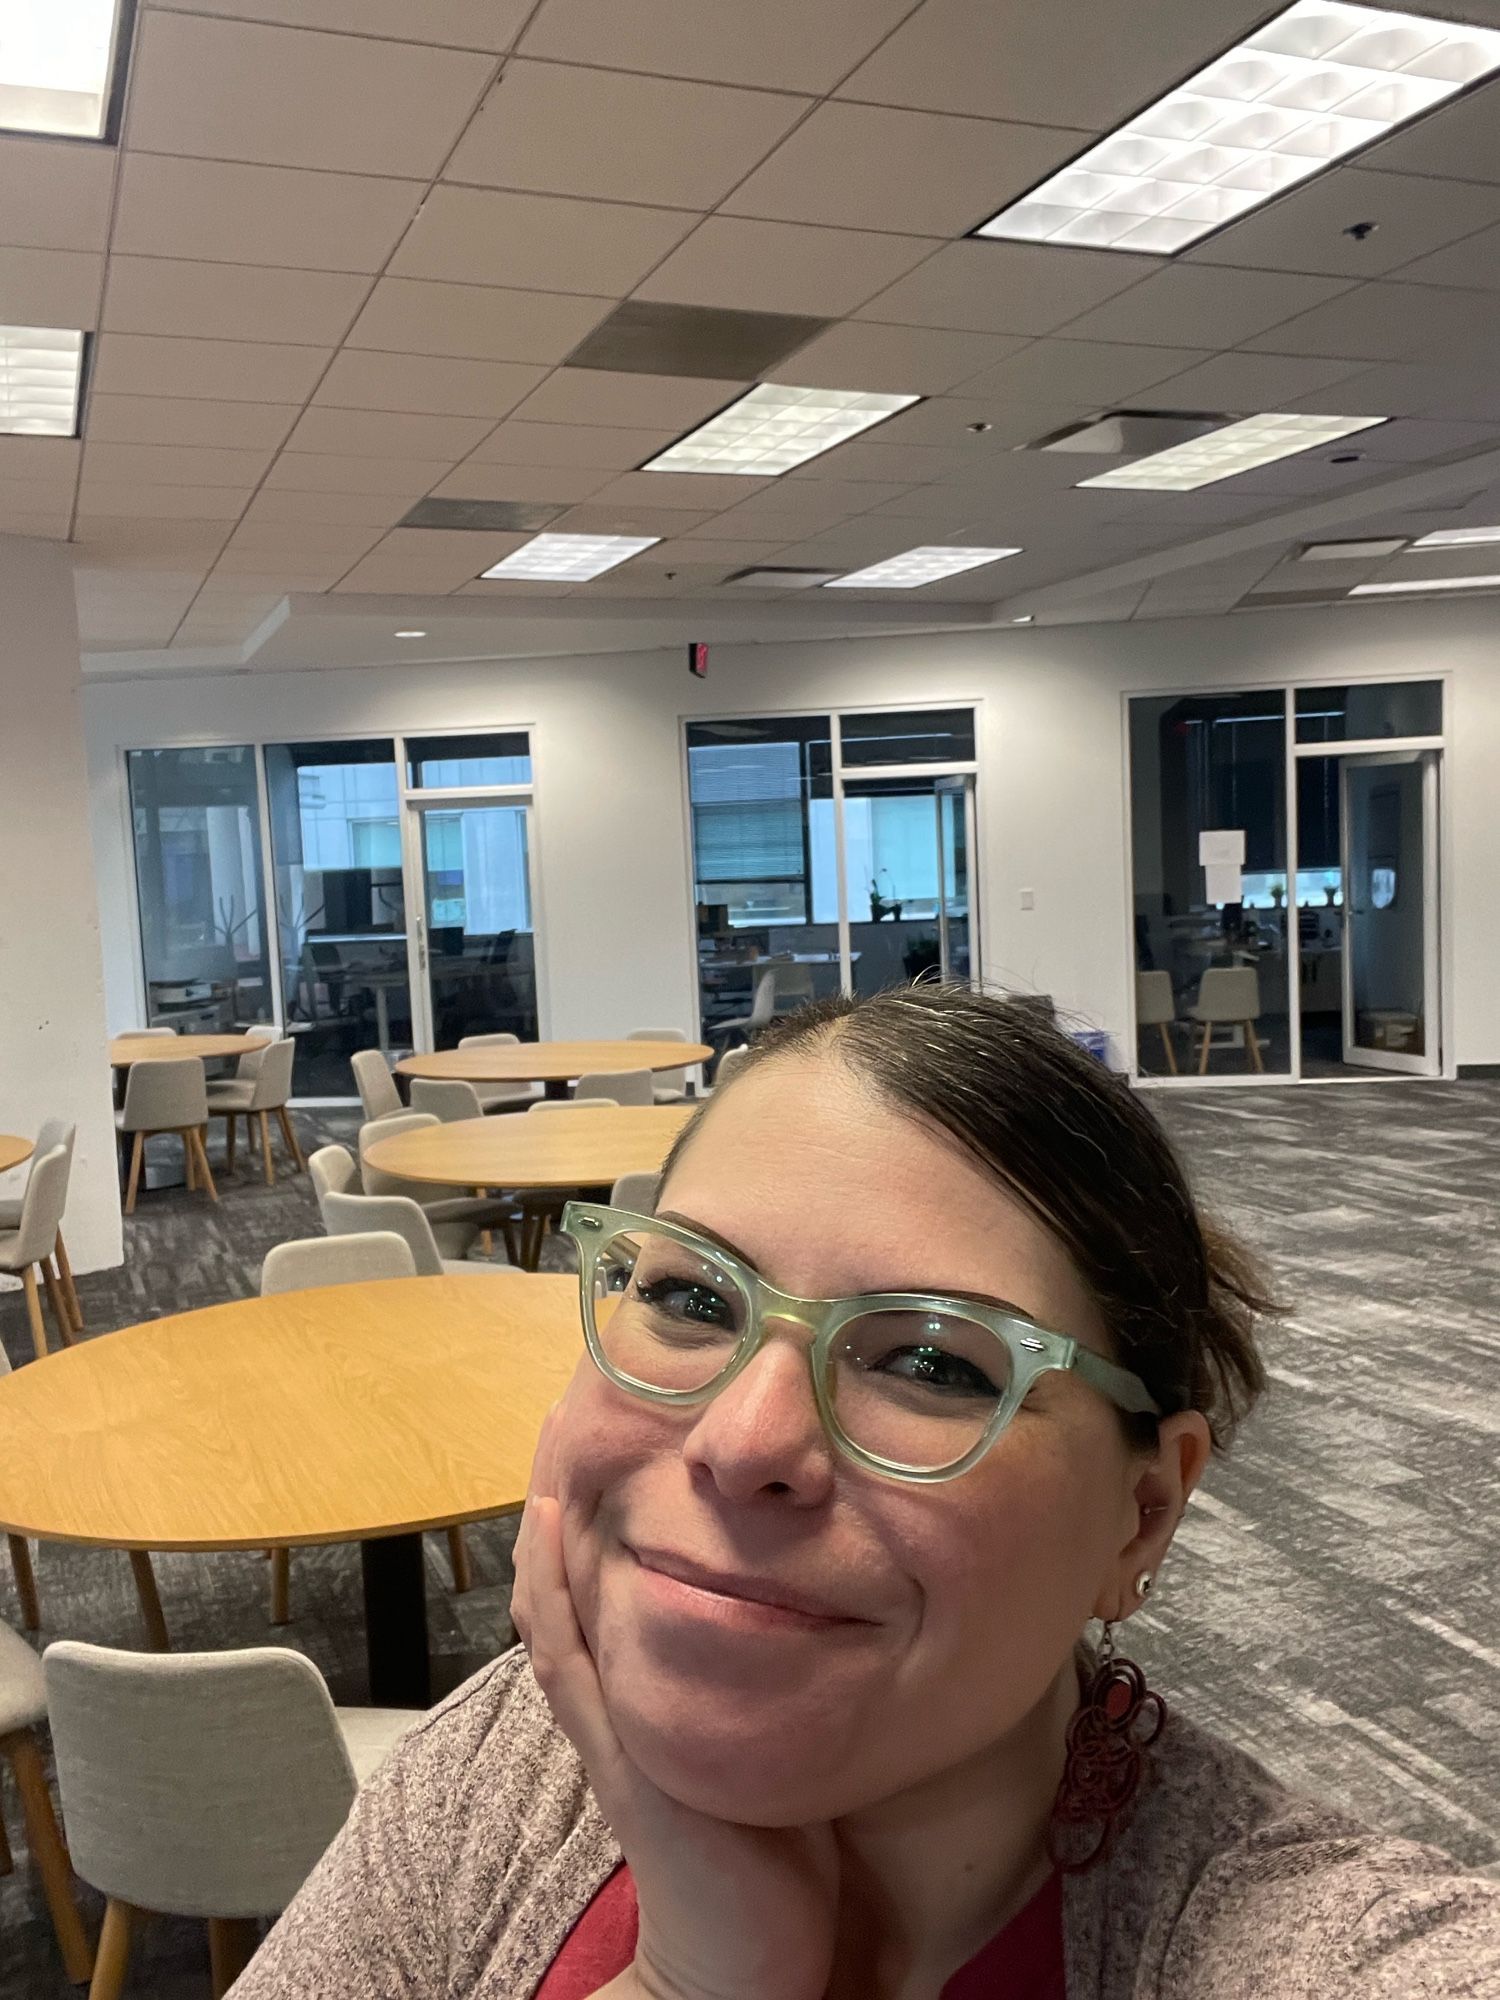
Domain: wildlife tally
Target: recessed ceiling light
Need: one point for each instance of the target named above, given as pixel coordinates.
(571, 558)
(1457, 538)
(1415, 588)
(1317, 83)
(1238, 447)
(916, 567)
(55, 65)
(40, 368)
(1026, 618)
(773, 427)
(1366, 551)
(411, 635)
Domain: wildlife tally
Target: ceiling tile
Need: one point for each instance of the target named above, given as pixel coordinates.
(475, 480)
(173, 465)
(781, 266)
(169, 420)
(707, 343)
(454, 24)
(636, 402)
(231, 371)
(1008, 420)
(1416, 389)
(418, 384)
(286, 507)
(692, 549)
(994, 287)
(46, 461)
(57, 195)
(230, 301)
(536, 242)
(320, 539)
(863, 167)
(50, 287)
(367, 474)
(166, 503)
(258, 568)
(918, 360)
(682, 145)
(1389, 322)
(482, 322)
(228, 213)
(1244, 383)
(1457, 140)
(628, 519)
(123, 537)
(1306, 229)
(706, 491)
(775, 44)
(1409, 440)
(1082, 371)
(386, 434)
(1193, 304)
(805, 508)
(1087, 63)
(590, 446)
(905, 464)
(237, 90)
(1473, 263)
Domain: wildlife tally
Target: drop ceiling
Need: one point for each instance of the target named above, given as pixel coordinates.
(342, 255)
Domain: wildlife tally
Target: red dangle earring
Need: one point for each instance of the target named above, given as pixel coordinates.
(1118, 1721)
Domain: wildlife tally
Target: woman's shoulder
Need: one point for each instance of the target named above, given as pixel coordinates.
(1227, 1884)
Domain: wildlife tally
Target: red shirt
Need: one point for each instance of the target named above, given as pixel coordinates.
(1024, 1962)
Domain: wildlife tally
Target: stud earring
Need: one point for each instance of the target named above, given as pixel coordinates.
(1143, 1583)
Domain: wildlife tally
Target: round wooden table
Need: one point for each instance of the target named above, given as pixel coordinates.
(553, 1064)
(363, 1413)
(14, 1150)
(127, 1049)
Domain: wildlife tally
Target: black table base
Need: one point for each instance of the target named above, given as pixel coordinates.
(396, 1622)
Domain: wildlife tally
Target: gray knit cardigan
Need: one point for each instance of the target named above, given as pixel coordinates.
(468, 1859)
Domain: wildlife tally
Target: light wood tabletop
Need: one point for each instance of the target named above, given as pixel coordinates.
(127, 1049)
(14, 1149)
(555, 1149)
(551, 1062)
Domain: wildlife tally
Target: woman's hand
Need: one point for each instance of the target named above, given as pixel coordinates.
(726, 1912)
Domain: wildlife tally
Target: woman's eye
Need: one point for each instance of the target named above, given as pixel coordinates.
(935, 1368)
(683, 1299)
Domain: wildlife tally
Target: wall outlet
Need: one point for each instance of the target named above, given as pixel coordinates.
(1028, 899)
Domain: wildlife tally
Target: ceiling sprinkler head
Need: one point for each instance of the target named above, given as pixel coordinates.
(1361, 230)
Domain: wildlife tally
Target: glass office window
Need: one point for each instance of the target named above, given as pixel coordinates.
(1210, 765)
(456, 762)
(481, 961)
(196, 820)
(908, 736)
(1370, 711)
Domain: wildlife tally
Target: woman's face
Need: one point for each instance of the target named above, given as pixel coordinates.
(928, 1622)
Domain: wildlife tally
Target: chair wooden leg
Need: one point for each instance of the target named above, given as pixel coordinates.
(1253, 1045)
(512, 1237)
(281, 1586)
(205, 1171)
(1203, 1050)
(231, 1946)
(458, 1558)
(57, 1300)
(137, 1152)
(113, 1961)
(1167, 1050)
(34, 1312)
(20, 1562)
(70, 1290)
(265, 1149)
(231, 1133)
(289, 1133)
(154, 1617)
(48, 1852)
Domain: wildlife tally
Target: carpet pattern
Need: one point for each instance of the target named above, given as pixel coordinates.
(1331, 1600)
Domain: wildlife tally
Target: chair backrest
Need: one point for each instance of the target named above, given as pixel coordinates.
(56, 1132)
(451, 1100)
(165, 1096)
(729, 1062)
(137, 1032)
(332, 1171)
(42, 1208)
(375, 1084)
(763, 1006)
(375, 1180)
(1229, 993)
(1154, 1004)
(573, 1104)
(487, 1041)
(625, 1086)
(359, 1214)
(795, 983)
(248, 1067)
(637, 1192)
(273, 1076)
(336, 1260)
(196, 1784)
(664, 1079)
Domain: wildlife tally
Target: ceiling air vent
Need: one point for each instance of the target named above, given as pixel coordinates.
(650, 337)
(783, 579)
(1131, 433)
(482, 516)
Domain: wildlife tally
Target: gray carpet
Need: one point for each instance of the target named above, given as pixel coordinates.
(1331, 1601)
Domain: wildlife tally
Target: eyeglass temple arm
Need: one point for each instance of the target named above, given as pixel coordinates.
(1126, 1391)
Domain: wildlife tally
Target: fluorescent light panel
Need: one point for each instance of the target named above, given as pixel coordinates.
(916, 567)
(1317, 83)
(1457, 538)
(570, 558)
(1237, 447)
(1414, 589)
(773, 428)
(40, 368)
(55, 63)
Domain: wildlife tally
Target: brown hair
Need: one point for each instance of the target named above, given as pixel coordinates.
(1178, 1295)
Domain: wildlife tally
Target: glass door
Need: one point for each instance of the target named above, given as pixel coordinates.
(956, 917)
(475, 940)
(1389, 825)
(906, 847)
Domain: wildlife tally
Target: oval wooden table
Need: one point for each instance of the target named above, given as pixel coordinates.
(14, 1150)
(127, 1049)
(552, 1064)
(365, 1413)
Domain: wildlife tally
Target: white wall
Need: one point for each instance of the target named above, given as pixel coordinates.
(615, 892)
(52, 1032)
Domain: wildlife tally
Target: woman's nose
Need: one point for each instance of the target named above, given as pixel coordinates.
(762, 1435)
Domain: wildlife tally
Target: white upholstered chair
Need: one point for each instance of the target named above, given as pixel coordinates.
(500, 1096)
(637, 1192)
(23, 1713)
(375, 1084)
(335, 1260)
(621, 1086)
(668, 1086)
(253, 1097)
(449, 1099)
(1156, 1008)
(166, 1096)
(29, 1247)
(1229, 996)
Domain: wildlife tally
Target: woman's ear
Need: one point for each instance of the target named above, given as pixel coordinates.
(1164, 1483)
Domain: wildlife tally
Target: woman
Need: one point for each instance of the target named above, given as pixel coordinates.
(910, 1379)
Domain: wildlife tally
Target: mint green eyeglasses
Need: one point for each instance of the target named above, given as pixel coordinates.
(910, 1384)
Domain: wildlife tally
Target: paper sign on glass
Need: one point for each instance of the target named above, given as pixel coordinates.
(1225, 849)
(1223, 884)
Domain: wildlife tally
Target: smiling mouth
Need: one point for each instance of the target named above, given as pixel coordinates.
(763, 1595)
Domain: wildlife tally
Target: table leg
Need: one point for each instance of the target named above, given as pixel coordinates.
(396, 1622)
(557, 1086)
(383, 1019)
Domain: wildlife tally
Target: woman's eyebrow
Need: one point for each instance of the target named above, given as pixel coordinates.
(932, 1291)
